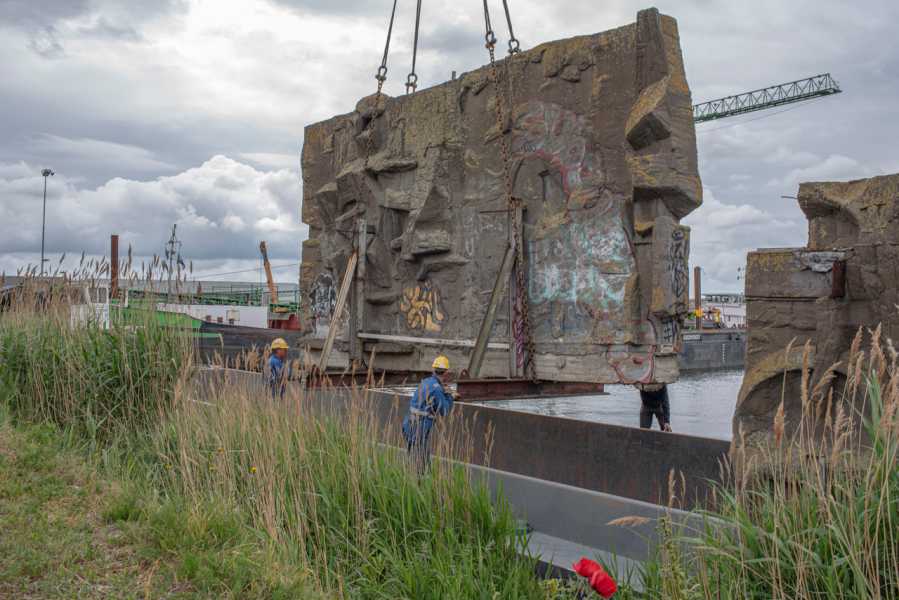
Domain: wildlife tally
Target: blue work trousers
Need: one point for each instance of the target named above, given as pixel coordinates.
(417, 431)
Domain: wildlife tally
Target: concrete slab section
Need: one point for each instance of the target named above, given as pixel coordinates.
(842, 282)
(581, 153)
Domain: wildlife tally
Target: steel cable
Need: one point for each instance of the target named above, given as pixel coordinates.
(381, 75)
(489, 36)
(514, 45)
(412, 79)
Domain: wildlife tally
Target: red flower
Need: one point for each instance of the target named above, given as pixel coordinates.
(600, 581)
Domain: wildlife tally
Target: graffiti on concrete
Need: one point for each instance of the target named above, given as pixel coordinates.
(556, 135)
(324, 298)
(679, 276)
(670, 329)
(600, 261)
(573, 293)
(579, 262)
(632, 367)
(421, 306)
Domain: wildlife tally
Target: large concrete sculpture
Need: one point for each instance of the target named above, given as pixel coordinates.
(603, 157)
(843, 280)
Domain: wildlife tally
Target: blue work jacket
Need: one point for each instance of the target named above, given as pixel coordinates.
(428, 401)
(276, 377)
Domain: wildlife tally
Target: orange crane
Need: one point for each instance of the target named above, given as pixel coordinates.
(273, 290)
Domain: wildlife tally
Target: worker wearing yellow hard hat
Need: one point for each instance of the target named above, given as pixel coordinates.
(277, 363)
(430, 400)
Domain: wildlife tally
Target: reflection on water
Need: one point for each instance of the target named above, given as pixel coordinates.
(701, 404)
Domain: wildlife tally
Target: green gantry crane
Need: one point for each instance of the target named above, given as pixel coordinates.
(769, 97)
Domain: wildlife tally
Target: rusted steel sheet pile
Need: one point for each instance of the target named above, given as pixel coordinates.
(603, 158)
(623, 461)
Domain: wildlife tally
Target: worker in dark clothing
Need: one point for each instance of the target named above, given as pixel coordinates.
(654, 402)
(428, 402)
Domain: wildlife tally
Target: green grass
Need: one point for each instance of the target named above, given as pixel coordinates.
(92, 382)
(118, 483)
(69, 533)
(253, 501)
(55, 542)
(815, 514)
(330, 499)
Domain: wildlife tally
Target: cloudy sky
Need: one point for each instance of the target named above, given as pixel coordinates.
(192, 111)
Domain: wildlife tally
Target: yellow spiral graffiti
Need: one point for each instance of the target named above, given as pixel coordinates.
(421, 305)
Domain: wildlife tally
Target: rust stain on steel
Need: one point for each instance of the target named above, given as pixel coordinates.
(625, 461)
(505, 389)
(838, 275)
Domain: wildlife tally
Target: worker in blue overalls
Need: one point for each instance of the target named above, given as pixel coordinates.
(278, 369)
(429, 401)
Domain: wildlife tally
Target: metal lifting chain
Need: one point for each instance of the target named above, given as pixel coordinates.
(513, 203)
(412, 79)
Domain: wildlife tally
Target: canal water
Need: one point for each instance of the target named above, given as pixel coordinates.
(701, 404)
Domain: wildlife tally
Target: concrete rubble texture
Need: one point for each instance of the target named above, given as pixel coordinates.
(603, 156)
(842, 280)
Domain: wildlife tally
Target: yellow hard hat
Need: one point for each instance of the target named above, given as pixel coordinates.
(279, 344)
(441, 362)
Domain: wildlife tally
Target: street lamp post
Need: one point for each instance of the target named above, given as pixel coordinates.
(46, 173)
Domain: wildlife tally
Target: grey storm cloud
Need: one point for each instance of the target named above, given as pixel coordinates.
(345, 8)
(30, 13)
(45, 20)
(39, 20)
(41, 12)
(451, 38)
(193, 112)
(107, 30)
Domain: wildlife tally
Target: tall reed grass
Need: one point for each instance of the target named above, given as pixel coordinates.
(282, 497)
(336, 502)
(815, 512)
(306, 499)
(98, 381)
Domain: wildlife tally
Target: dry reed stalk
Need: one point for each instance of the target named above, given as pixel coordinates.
(878, 363)
(630, 521)
(672, 489)
(824, 383)
(806, 369)
(779, 424)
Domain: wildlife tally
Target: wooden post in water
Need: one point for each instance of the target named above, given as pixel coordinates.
(697, 296)
(113, 266)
